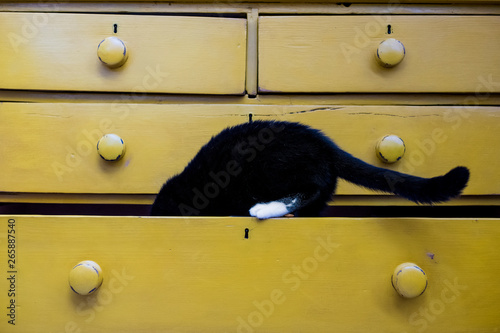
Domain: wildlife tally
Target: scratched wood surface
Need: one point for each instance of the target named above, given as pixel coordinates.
(50, 148)
(289, 275)
(169, 54)
(337, 53)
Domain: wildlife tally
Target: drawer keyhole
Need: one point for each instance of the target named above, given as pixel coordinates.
(115, 28)
(389, 29)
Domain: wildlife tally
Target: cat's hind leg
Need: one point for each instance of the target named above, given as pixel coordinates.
(278, 208)
(271, 209)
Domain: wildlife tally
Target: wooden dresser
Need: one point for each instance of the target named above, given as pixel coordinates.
(163, 77)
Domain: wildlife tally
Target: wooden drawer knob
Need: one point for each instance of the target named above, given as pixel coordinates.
(85, 277)
(111, 147)
(112, 52)
(390, 52)
(409, 280)
(390, 149)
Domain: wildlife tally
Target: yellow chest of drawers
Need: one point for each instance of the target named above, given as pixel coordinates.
(188, 70)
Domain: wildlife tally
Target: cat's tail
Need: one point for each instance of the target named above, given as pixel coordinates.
(419, 190)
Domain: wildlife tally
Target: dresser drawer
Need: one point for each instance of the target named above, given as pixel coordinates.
(203, 275)
(51, 148)
(167, 54)
(337, 53)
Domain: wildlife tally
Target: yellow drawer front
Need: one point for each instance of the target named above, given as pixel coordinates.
(337, 53)
(203, 275)
(51, 148)
(171, 54)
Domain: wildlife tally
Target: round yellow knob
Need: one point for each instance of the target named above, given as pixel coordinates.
(85, 277)
(390, 52)
(409, 280)
(112, 52)
(390, 149)
(111, 147)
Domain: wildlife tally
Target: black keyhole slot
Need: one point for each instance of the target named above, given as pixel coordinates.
(115, 28)
(389, 29)
(246, 233)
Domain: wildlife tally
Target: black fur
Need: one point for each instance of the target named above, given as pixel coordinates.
(266, 161)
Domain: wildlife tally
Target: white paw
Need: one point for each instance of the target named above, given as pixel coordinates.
(268, 210)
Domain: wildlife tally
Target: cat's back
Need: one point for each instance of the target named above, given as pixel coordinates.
(262, 135)
(261, 141)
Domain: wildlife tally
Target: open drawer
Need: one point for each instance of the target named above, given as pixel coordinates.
(240, 275)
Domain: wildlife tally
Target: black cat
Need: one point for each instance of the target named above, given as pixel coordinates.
(271, 168)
